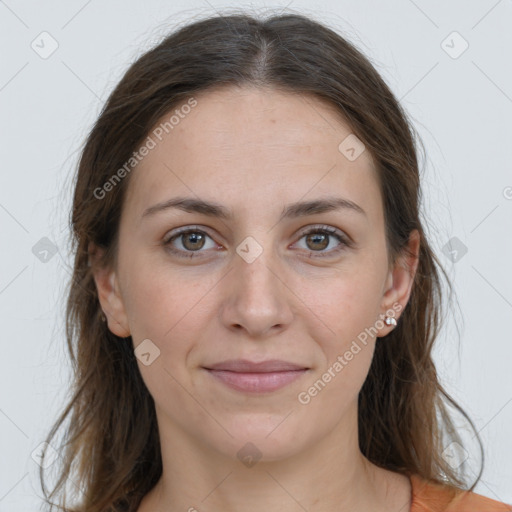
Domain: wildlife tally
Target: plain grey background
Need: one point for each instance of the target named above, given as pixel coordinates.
(448, 63)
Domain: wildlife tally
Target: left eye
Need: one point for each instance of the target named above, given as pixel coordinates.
(193, 240)
(321, 237)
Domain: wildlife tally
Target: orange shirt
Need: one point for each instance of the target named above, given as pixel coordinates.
(431, 497)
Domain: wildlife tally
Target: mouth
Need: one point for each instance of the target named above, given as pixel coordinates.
(251, 377)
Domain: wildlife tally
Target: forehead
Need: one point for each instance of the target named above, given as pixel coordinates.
(251, 146)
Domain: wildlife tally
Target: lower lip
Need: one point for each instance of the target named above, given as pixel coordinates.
(257, 382)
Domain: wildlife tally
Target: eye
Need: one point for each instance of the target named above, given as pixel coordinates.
(318, 238)
(192, 240)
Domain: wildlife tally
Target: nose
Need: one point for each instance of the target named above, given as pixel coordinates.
(256, 297)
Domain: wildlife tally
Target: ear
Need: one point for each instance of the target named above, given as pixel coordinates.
(399, 281)
(108, 293)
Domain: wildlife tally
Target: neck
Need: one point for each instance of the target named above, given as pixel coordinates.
(330, 475)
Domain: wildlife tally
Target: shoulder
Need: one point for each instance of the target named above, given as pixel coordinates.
(428, 496)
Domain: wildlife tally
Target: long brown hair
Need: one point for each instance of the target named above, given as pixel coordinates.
(111, 447)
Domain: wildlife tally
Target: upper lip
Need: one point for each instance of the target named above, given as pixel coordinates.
(244, 365)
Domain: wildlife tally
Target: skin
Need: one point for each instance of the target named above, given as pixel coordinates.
(254, 151)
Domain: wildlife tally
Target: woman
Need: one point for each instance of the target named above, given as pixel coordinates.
(254, 300)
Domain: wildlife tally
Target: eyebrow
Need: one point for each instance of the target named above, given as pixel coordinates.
(290, 211)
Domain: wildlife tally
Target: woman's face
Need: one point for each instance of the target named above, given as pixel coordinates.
(253, 284)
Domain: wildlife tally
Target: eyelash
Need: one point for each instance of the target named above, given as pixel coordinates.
(327, 230)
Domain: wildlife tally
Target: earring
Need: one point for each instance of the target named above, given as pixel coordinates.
(389, 320)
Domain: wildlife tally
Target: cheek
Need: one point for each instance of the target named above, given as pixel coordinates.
(347, 348)
(165, 307)
(348, 309)
(346, 304)
(160, 301)
(172, 309)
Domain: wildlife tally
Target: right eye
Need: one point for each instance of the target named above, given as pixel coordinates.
(192, 240)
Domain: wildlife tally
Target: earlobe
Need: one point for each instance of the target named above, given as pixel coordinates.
(110, 299)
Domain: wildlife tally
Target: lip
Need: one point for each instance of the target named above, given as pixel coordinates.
(246, 366)
(250, 377)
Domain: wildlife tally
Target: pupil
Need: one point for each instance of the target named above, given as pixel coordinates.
(317, 236)
(194, 238)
